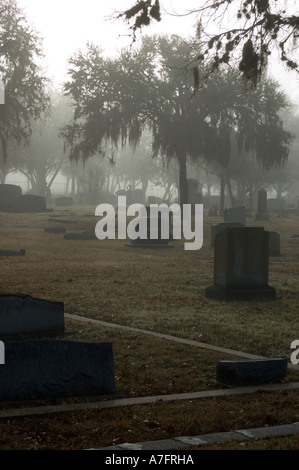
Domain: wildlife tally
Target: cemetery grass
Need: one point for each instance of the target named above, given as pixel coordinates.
(160, 291)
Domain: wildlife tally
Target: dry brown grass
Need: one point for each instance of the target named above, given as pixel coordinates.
(161, 291)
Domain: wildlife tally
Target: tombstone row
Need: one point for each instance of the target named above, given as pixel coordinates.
(12, 200)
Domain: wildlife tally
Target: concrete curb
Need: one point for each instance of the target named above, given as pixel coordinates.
(172, 338)
(137, 401)
(183, 442)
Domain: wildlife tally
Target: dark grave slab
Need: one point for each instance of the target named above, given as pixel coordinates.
(274, 244)
(50, 369)
(241, 263)
(21, 315)
(217, 228)
(12, 252)
(55, 229)
(149, 242)
(62, 221)
(251, 372)
(88, 235)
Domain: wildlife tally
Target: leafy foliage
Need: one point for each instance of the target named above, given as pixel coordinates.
(143, 12)
(152, 88)
(25, 96)
(260, 27)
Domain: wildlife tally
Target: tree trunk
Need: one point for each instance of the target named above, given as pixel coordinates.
(222, 191)
(4, 160)
(230, 192)
(183, 187)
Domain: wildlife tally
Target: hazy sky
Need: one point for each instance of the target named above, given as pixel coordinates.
(67, 25)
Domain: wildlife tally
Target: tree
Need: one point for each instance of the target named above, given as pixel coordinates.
(255, 28)
(24, 82)
(118, 100)
(43, 156)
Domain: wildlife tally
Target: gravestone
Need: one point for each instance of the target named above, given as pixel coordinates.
(12, 252)
(151, 200)
(262, 206)
(88, 235)
(62, 221)
(251, 372)
(29, 203)
(276, 204)
(138, 196)
(45, 369)
(241, 259)
(7, 194)
(217, 228)
(283, 214)
(27, 315)
(274, 244)
(149, 242)
(64, 201)
(235, 214)
(55, 229)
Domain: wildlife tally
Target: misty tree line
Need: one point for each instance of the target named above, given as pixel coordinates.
(127, 121)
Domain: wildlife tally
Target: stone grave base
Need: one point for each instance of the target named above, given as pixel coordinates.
(46, 369)
(62, 221)
(55, 229)
(251, 372)
(89, 235)
(149, 245)
(240, 293)
(12, 252)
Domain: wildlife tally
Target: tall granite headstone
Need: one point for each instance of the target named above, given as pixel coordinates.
(241, 258)
(262, 206)
(8, 192)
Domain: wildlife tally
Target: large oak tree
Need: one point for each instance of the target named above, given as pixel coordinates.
(150, 87)
(20, 72)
